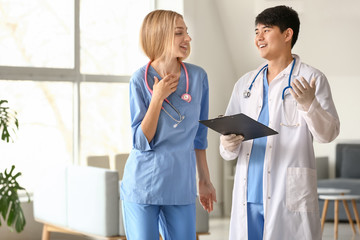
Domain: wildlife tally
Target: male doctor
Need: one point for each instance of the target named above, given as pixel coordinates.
(275, 189)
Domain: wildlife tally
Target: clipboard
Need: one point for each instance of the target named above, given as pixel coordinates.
(239, 124)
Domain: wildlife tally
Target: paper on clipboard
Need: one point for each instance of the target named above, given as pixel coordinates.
(239, 124)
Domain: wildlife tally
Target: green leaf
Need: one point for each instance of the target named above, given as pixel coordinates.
(20, 221)
(11, 216)
(8, 122)
(4, 203)
(10, 206)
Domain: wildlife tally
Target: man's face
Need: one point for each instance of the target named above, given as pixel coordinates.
(269, 41)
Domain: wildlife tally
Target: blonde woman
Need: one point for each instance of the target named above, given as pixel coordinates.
(167, 99)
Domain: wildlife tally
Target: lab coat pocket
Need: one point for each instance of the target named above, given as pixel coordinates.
(301, 194)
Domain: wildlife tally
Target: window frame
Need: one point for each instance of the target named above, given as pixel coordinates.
(68, 75)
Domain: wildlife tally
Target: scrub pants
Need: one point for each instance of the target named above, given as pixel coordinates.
(255, 217)
(173, 222)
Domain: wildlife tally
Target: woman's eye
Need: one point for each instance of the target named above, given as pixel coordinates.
(178, 33)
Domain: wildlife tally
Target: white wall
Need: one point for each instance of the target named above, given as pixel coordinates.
(209, 50)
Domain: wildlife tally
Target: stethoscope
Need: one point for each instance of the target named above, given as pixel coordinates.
(247, 92)
(186, 96)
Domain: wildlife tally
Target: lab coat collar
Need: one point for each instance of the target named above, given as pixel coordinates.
(296, 67)
(288, 68)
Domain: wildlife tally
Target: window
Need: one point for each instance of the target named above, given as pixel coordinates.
(64, 68)
(45, 135)
(37, 33)
(109, 44)
(105, 119)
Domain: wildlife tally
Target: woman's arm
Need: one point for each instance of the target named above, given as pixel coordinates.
(207, 193)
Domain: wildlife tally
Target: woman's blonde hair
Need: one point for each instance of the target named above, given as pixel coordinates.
(157, 34)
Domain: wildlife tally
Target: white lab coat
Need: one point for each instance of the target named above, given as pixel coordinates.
(290, 198)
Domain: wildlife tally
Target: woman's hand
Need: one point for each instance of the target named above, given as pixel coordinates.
(207, 195)
(162, 89)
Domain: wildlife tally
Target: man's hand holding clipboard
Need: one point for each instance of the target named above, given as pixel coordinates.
(239, 124)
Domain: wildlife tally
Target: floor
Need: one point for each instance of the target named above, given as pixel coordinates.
(219, 230)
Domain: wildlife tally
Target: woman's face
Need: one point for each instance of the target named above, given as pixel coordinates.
(182, 39)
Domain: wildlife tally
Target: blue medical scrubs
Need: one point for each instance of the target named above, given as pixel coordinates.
(255, 173)
(163, 172)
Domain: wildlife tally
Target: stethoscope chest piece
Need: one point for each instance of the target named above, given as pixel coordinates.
(247, 93)
(176, 124)
(186, 97)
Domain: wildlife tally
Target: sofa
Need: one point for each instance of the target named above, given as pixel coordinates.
(86, 201)
(347, 176)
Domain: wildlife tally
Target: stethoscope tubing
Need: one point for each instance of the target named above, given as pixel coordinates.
(186, 75)
(252, 83)
(186, 96)
(247, 93)
(289, 81)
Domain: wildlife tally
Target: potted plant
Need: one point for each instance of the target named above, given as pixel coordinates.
(10, 208)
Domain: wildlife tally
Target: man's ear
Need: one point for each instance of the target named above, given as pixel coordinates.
(288, 33)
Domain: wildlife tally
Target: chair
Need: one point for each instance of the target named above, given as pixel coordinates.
(98, 161)
(347, 176)
(80, 200)
(120, 161)
(322, 167)
(85, 200)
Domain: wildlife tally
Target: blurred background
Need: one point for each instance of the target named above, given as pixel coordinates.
(65, 67)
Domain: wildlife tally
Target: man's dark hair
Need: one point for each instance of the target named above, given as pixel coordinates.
(283, 17)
